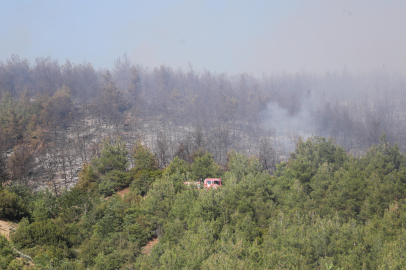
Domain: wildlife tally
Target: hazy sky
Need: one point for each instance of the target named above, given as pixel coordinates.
(220, 36)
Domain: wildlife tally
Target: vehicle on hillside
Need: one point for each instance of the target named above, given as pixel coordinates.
(197, 184)
(212, 183)
(207, 183)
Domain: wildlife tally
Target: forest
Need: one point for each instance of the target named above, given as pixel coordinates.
(322, 209)
(313, 170)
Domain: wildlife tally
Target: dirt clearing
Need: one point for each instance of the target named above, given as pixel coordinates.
(123, 192)
(5, 227)
(148, 248)
(120, 192)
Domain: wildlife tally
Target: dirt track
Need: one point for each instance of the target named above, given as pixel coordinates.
(148, 248)
(5, 228)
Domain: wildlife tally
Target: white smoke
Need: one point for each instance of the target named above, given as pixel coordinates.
(287, 128)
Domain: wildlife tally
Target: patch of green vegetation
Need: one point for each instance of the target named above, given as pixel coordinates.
(323, 209)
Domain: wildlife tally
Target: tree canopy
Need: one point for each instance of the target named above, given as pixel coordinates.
(323, 209)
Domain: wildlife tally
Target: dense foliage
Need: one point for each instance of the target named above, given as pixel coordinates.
(323, 209)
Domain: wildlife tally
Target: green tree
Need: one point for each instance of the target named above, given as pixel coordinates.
(311, 154)
(177, 165)
(11, 205)
(48, 233)
(144, 158)
(7, 255)
(88, 178)
(240, 165)
(145, 170)
(112, 157)
(158, 203)
(205, 167)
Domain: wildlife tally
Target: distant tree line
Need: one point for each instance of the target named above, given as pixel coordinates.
(50, 111)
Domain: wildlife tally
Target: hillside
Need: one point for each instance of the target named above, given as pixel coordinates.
(54, 116)
(71, 136)
(322, 209)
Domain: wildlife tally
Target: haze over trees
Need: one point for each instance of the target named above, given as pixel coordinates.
(178, 112)
(312, 165)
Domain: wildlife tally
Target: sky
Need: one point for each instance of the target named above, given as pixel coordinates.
(255, 37)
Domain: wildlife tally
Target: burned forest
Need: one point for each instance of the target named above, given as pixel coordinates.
(53, 116)
(93, 165)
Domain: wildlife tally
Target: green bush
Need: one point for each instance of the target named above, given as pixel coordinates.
(11, 205)
(7, 254)
(42, 233)
(107, 187)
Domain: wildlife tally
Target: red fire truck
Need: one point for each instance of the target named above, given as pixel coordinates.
(212, 183)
